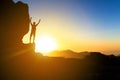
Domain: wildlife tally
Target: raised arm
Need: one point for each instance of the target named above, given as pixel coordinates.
(38, 22)
(31, 20)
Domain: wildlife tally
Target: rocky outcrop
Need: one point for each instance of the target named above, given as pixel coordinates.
(14, 24)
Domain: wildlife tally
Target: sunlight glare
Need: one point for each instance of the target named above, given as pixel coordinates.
(45, 44)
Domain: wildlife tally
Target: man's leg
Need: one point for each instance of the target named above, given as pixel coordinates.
(30, 37)
(34, 37)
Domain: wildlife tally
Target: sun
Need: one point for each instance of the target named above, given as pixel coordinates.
(45, 44)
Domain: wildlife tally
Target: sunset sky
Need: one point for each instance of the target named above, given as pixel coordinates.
(79, 25)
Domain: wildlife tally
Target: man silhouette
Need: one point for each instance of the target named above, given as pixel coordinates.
(33, 29)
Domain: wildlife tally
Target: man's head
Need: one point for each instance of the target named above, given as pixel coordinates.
(34, 23)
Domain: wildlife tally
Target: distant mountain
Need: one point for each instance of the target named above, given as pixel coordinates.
(69, 54)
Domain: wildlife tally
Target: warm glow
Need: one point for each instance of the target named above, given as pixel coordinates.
(45, 44)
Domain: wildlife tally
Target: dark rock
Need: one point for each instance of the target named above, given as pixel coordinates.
(14, 24)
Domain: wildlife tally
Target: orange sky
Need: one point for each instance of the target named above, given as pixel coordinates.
(76, 25)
